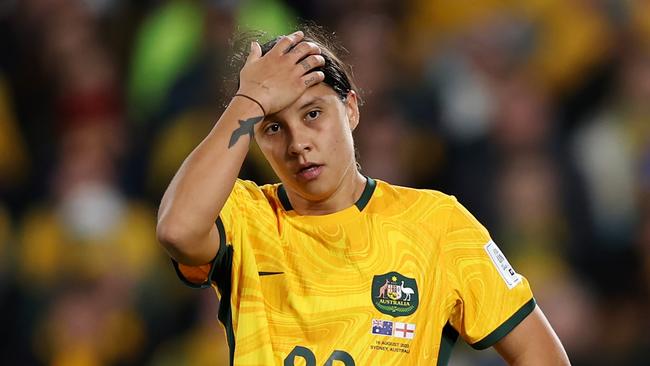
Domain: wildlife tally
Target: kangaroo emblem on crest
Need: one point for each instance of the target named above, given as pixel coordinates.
(382, 291)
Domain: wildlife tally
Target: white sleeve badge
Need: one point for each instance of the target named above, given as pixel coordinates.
(502, 265)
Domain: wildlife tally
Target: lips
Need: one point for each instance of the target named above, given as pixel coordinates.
(309, 171)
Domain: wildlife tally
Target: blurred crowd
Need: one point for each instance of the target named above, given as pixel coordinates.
(535, 114)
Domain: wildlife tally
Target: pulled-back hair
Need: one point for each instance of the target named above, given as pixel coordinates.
(338, 75)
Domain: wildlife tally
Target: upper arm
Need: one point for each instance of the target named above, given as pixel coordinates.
(189, 246)
(491, 298)
(532, 342)
(245, 207)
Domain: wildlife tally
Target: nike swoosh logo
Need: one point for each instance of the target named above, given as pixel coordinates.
(269, 273)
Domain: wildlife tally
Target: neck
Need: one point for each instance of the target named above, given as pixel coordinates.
(347, 192)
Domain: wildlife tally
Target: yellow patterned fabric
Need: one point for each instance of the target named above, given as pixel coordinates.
(393, 279)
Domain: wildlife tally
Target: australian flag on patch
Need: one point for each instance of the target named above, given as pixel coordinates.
(382, 327)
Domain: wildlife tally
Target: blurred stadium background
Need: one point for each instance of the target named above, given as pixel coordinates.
(534, 113)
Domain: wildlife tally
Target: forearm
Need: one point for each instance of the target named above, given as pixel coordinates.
(200, 188)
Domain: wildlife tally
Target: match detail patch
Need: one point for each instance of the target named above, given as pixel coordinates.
(510, 277)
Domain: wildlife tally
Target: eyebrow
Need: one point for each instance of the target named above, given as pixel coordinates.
(311, 102)
(273, 117)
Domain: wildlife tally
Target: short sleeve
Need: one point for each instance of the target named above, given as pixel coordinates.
(492, 299)
(244, 200)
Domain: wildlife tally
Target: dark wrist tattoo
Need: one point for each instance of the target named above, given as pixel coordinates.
(246, 127)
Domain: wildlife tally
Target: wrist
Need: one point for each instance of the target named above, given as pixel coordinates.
(251, 99)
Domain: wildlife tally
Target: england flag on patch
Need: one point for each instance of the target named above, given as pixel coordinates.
(382, 327)
(404, 330)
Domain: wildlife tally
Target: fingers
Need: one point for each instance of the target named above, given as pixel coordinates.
(255, 52)
(313, 78)
(286, 43)
(303, 49)
(311, 62)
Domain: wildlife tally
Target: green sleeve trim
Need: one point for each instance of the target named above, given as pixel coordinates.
(193, 285)
(221, 275)
(214, 262)
(447, 342)
(507, 326)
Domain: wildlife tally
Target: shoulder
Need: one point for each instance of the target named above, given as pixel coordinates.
(421, 202)
(250, 189)
(402, 192)
(246, 193)
(250, 204)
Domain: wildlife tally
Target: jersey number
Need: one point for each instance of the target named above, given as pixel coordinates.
(310, 359)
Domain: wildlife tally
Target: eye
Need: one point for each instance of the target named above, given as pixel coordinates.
(272, 128)
(312, 115)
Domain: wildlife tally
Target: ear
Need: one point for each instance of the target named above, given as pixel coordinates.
(352, 109)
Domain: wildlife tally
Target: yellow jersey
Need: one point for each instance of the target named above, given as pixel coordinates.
(392, 280)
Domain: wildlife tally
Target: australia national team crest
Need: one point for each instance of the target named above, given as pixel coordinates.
(394, 294)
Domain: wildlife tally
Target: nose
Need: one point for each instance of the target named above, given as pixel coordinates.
(300, 143)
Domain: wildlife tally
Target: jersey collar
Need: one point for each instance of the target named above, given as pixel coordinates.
(361, 203)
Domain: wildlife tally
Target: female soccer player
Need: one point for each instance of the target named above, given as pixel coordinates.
(331, 265)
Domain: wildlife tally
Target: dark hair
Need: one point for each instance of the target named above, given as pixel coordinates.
(338, 75)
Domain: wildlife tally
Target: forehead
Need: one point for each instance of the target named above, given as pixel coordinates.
(320, 93)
